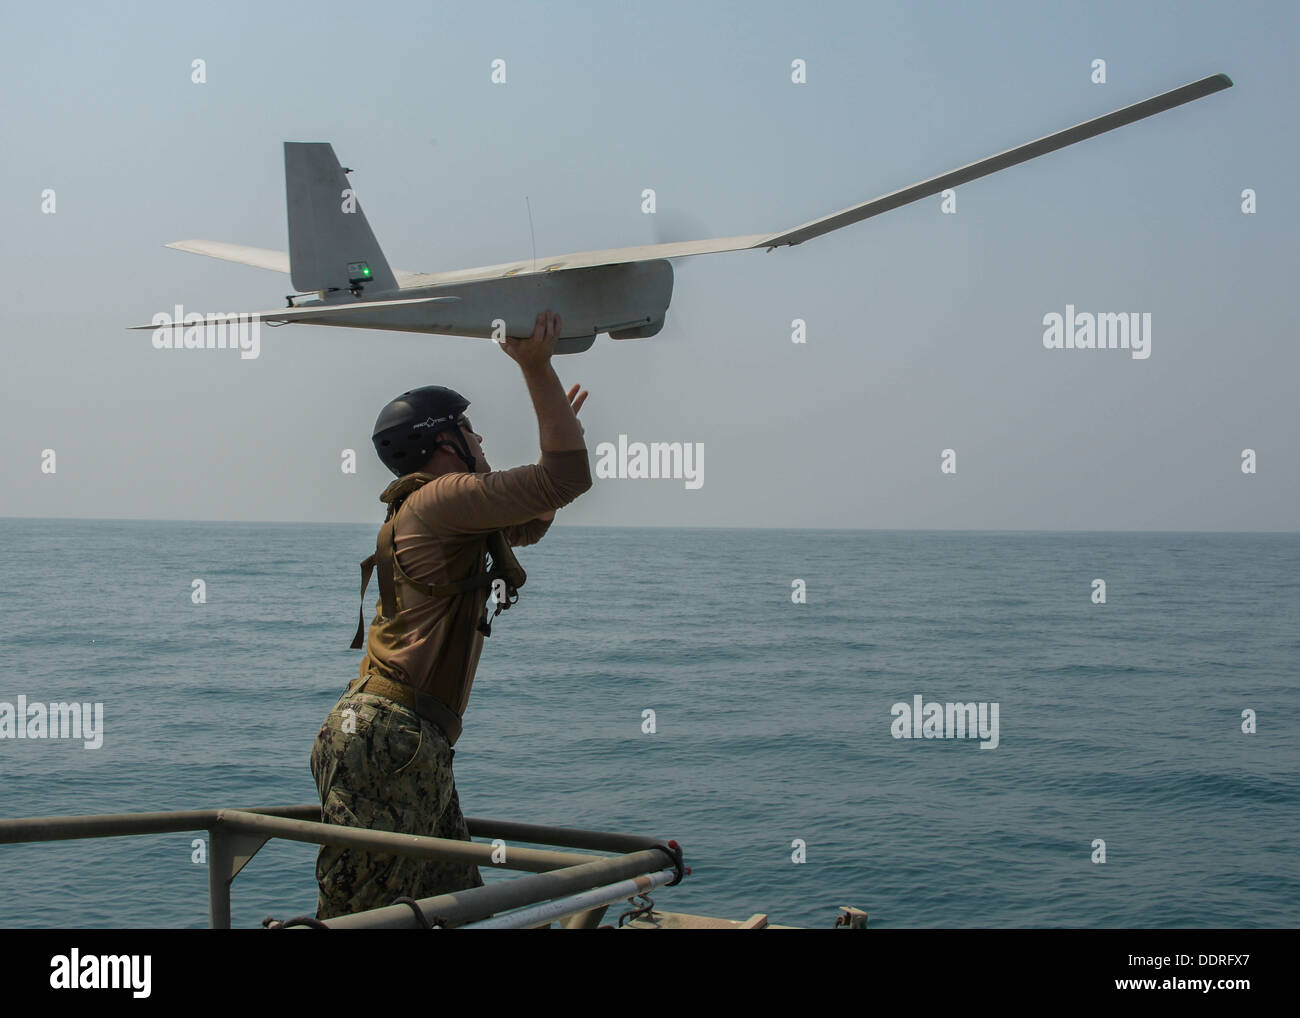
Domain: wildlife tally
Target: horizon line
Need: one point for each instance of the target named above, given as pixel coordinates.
(660, 526)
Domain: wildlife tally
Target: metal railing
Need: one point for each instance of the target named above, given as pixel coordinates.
(563, 885)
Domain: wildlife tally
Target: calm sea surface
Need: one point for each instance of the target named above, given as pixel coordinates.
(1119, 721)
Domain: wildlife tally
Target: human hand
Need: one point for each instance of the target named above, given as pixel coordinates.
(535, 352)
(577, 396)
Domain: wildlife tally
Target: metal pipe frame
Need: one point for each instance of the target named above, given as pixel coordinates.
(110, 825)
(481, 902)
(584, 901)
(531, 860)
(236, 835)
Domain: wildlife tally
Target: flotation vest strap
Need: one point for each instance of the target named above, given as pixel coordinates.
(505, 567)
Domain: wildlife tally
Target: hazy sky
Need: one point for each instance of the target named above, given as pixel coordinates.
(924, 329)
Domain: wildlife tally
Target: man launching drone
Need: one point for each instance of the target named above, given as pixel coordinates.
(382, 759)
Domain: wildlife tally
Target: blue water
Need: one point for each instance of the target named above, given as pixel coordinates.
(1119, 721)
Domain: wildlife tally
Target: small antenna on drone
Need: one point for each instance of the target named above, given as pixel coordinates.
(530, 231)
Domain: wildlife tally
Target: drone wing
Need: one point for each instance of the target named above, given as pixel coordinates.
(1000, 161)
(259, 257)
(854, 214)
(279, 260)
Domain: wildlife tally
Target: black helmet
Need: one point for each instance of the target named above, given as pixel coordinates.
(405, 431)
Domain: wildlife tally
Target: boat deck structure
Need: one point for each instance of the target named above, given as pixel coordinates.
(570, 883)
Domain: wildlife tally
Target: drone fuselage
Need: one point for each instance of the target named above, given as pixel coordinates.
(628, 301)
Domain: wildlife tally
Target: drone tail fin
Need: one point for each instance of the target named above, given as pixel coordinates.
(331, 246)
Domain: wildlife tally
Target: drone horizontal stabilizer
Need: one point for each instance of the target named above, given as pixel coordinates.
(300, 314)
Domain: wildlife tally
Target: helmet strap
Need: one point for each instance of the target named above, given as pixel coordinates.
(461, 448)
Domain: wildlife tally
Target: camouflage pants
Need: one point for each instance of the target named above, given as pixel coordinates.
(381, 766)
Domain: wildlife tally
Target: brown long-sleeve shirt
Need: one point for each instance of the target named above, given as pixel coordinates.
(440, 536)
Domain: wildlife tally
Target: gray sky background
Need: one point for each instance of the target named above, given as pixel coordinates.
(925, 330)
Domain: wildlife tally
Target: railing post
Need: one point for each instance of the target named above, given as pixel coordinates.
(219, 860)
(228, 853)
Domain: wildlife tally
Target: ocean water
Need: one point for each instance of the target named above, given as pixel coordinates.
(1119, 721)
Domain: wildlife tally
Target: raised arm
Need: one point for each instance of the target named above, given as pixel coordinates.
(576, 397)
(558, 429)
(524, 499)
